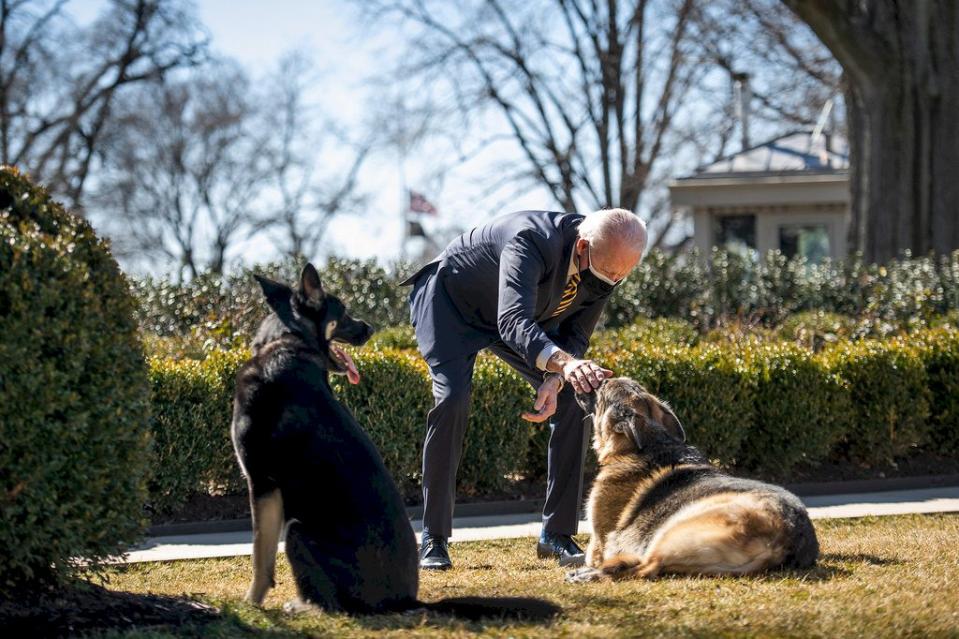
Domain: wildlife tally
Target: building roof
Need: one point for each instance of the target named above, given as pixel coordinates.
(794, 153)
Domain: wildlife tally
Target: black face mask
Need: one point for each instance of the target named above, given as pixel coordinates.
(593, 285)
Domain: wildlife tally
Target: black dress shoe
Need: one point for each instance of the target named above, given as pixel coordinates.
(560, 547)
(434, 553)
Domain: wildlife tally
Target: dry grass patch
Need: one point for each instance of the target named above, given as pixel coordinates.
(878, 577)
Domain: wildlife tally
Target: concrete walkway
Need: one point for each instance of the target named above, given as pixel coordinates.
(930, 500)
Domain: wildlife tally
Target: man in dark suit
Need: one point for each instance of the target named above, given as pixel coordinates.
(530, 287)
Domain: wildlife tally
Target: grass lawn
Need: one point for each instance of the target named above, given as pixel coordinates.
(878, 577)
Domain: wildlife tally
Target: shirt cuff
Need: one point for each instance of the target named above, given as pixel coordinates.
(544, 356)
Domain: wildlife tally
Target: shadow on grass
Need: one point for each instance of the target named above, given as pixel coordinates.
(830, 566)
(85, 607)
(861, 558)
(286, 624)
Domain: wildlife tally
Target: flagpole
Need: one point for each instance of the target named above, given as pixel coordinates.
(404, 187)
(405, 215)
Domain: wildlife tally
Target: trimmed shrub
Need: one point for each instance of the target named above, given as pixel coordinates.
(74, 415)
(497, 438)
(802, 409)
(708, 388)
(760, 406)
(939, 351)
(391, 402)
(399, 337)
(395, 395)
(888, 387)
(815, 329)
(643, 332)
(192, 410)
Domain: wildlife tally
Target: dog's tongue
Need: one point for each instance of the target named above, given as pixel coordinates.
(352, 374)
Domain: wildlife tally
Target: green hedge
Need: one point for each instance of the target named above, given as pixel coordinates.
(939, 351)
(887, 384)
(74, 411)
(192, 402)
(707, 386)
(192, 409)
(802, 409)
(762, 407)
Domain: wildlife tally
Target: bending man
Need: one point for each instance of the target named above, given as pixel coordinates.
(530, 287)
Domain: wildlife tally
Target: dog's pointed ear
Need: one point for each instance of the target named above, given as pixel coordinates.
(626, 424)
(670, 422)
(277, 294)
(631, 430)
(310, 286)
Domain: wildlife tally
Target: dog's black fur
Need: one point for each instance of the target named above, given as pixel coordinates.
(311, 466)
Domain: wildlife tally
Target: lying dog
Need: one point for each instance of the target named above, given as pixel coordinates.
(658, 505)
(308, 464)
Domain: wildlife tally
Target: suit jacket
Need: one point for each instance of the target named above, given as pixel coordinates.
(503, 281)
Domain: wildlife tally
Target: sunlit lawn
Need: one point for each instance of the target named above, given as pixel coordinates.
(878, 577)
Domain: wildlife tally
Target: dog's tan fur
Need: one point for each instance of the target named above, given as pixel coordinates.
(735, 532)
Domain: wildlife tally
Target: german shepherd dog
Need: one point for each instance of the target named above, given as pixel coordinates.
(310, 466)
(658, 505)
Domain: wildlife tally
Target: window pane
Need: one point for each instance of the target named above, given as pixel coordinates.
(737, 233)
(810, 241)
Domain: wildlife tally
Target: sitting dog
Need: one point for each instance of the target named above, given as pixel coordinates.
(658, 505)
(310, 465)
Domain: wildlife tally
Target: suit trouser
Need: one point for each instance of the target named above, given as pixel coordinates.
(446, 427)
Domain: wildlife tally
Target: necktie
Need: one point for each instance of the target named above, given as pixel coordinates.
(569, 294)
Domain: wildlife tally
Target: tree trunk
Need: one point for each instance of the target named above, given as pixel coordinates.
(901, 59)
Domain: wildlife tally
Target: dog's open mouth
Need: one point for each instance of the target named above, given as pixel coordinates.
(345, 362)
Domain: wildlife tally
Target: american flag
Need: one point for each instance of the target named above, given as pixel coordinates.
(419, 204)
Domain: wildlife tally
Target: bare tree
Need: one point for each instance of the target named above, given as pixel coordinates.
(900, 59)
(791, 74)
(589, 92)
(59, 84)
(307, 200)
(184, 173)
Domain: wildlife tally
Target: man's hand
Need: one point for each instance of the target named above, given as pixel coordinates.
(545, 404)
(584, 374)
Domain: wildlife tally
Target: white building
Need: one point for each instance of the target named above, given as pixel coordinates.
(790, 193)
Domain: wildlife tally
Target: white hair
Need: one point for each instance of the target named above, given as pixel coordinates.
(619, 225)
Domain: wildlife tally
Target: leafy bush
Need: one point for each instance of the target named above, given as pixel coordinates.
(74, 420)
(400, 337)
(939, 351)
(816, 329)
(708, 388)
(395, 395)
(888, 386)
(663, 330)
(717, 290)
(802, 409)
(903, 295)
(761, 406)
(224, 310)
(663, 285)
(192, 410)
(192, 413)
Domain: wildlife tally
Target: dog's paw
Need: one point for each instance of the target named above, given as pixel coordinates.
(297, 606)
(583, 575)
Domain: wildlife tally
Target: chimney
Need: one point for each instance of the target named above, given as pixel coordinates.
(743, 97)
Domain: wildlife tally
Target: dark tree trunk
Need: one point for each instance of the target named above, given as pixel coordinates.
(901, 59)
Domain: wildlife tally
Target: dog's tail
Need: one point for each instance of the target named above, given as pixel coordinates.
(474, 608)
